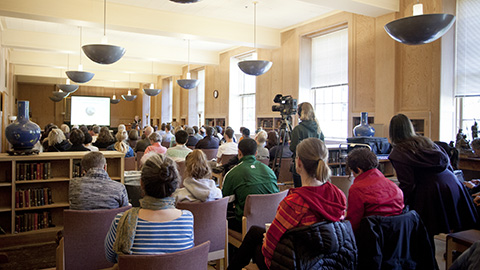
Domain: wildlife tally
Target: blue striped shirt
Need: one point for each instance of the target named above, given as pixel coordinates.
(155, 237)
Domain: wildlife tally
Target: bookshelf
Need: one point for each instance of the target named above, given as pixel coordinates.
(46, 189)
(211, 122)
(269, 123)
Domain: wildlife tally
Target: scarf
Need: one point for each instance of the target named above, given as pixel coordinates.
(127, 225)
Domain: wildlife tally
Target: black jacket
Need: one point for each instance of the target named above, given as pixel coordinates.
(59, 147)
(395, 242)
(306, 129)
(323, 245)
(209, 142)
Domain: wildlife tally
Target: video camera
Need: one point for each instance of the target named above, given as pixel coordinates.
(288, 105)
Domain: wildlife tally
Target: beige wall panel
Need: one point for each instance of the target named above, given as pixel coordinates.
(364, 70)
(42, 108)
(176, 97)
(264, 94)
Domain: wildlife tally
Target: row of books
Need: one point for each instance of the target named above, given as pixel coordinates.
(338, 171)
(34, 171)
(77, 170)
(33, 221)
(33, 197)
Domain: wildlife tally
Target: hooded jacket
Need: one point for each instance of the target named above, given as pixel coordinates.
(304, 206)
(196, 190)
(306, 129)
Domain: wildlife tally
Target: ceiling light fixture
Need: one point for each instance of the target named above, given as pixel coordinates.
(67, 87)
(104, 53)
(188, 83)
(80, 76)
(255, 67)
(420, 28)
(114, 99)
(151, 91)
(185, 1)
(129, 96)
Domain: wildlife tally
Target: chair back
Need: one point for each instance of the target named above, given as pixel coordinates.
(342, 182)
(130, 164)
(264, 161)
(195, 258)
(224, 159)
(84, 234)
(285, 175)
(165, 144)
(261, 208)
(134, 195)
(210, 153)
(182, 171)
(139, 155)
(209, 221)
(191, 146)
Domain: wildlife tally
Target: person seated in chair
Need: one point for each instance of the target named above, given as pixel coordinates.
(142, 144)
(317, 200)
(209, 142)
(121, 144)
(96, 190)
(179, 151)
(229, 147)
(371, 194)
(248, 177)
(156, 227)
(77, 138)
(192, 140)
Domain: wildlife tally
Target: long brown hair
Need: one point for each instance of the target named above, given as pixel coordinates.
(197, 166)
(402, 135)
(314, 156)
(307, 113)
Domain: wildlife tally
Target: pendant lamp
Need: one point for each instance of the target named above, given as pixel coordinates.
(185, 1)
(188, 83)
(129, 96)
(55, 98)
(104, 53)
(80, 76)
(114, 99)
(60, 94)
(255, 67)
(420, 28)
(151, 91)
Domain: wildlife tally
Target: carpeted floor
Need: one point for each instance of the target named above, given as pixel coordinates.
(36, 256)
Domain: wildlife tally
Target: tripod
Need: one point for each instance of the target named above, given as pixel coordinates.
(285, 132)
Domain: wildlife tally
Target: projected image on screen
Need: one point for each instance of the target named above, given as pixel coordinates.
(90, 110)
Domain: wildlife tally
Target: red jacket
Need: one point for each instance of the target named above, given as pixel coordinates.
(373, 194)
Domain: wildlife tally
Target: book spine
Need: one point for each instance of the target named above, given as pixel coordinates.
(35, 221)
(17, 171)
(45, 171)
(27, 198)
(17, 199)
(32, 171)
(22, 198)
(39, 171)
(17, 223)
(22, 171)
(50, 200)
(49, 170)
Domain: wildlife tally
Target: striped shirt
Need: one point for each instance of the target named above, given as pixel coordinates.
(155, 237)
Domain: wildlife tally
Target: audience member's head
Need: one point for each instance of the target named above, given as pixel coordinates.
(159, 176)
(121, 136)
(209, 131)
(65, 128)
(163, 126)
(195, 128)
(313, 154)
(181, 137)
(247, 147)
(177, 129)
(272, 139)
(202, 131)
(155, 138)
(55, 136)
(190, 131)
(196, 165)
(133, 135)
(229, 133)
(361, 159)
(168, 127)
(93, 160)
(88, 139)
(148, 130)
(77, 137)
(219, 129)
(96, 129)
(104, 136)
(121, 127)
(401, 129)
(83, 128)
(261, 137)
(246, 132)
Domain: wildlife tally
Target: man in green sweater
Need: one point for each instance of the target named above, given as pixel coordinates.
(248, 177)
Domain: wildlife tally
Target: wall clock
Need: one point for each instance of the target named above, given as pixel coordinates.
(215, 93)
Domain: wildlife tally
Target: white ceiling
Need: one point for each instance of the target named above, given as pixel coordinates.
(44, 36)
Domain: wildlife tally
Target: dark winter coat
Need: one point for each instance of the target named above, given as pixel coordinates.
(306, 129)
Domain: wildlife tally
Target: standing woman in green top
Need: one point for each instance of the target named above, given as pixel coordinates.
(308, 128)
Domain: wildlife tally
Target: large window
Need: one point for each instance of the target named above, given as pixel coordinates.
(467, 77)
(329, 81)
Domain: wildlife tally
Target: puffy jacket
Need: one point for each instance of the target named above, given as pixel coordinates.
(323, 245)
(306, 129)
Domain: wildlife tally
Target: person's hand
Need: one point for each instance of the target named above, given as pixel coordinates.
(469, 184)
(265, 234)
(475, 181)
(477, 201)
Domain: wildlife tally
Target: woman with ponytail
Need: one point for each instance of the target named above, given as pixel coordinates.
(121, 145)
(156, 227)
(317, 200)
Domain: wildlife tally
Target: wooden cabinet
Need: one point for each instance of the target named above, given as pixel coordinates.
(212, 122)
(35, 203)
(269, 123)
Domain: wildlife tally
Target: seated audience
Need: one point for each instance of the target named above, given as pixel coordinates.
(156, 227)
(121, 127)
(45, 134)
(94, 133)
(132, 138)
(286, 152)
(162, 129)
(121, 145)
(248, 177)
(88, 142)
(209, 142)
(180, 151)
(192, 140)
(57, 141)
(66, 130)
(229, 147)
(172, 140)
(262, 152)
(198, 185)
(371, 194)
(77, 138)
(245, 133)
(317, 200)
(104, 138)
(167, 137)
(95, 190)
(272, 139)
(155, 144)
(142, 144)
(197, 133)
(219, 132)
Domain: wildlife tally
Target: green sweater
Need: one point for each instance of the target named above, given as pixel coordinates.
(248, 177)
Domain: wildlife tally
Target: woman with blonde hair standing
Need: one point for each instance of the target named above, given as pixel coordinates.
(198, 185)
(308, 128)
(121, 145)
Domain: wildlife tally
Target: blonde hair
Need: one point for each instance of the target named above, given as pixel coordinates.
(196, 165)
(314, 156)
(307, 113)
(261, 137)
(120, 145)
(65, 128)
(55, 136)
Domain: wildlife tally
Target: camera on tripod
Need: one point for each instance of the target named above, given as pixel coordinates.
(287, 105)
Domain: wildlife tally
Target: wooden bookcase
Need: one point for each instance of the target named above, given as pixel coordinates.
(212, 122)
(61, 172)
(269, 123)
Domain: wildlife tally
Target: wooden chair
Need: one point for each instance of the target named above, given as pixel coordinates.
(84, 232)
(264, 161)
(191, 146)
(258, 210)
(224, 159)
(195, 258)
(139, 156)
(285, 176)
(181, 171)
(342, 182)
(165, 144)
(210, 153)
(210, 223)
(130, 164)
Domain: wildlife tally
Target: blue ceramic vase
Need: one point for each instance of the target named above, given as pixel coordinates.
(364, 129)
(23, 133)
